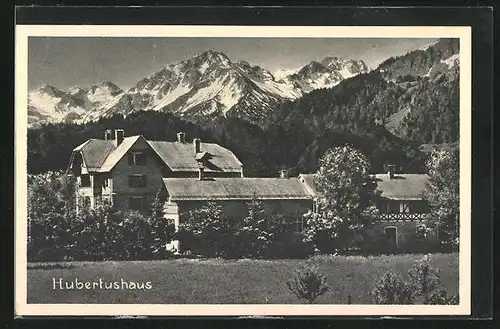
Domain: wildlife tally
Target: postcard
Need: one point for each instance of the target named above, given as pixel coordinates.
(242, 170)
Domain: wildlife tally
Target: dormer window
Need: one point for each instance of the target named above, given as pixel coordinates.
(137, 159)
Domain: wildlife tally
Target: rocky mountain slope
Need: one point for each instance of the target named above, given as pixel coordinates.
(49, 104)
(207, 84)
(429, 80)
(414, 96)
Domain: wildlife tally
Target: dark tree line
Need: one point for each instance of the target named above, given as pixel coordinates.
(264, 152)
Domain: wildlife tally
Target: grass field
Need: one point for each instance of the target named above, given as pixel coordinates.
(216, 281)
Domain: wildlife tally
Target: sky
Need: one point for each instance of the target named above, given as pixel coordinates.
(66, 62)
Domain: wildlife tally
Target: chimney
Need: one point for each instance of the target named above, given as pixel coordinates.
(196, 145)
(108, 134)
(283, 173)
(391, 170)
(119, 136)
(201, 171)
(181, 137)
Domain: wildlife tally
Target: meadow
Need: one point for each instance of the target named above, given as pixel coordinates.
(216, 281)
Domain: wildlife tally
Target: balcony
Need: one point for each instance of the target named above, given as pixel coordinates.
(403, 216)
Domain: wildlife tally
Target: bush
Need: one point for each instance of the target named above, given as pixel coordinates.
(162, 230)
(391, 289)
(308, 283)
(207, 232)
(423, 287)
(57, 233)
(289, 245)
(261, 234)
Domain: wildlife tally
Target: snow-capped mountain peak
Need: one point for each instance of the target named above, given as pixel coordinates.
(212, 56)
(325, 73)
(208, 83)
(282, 73)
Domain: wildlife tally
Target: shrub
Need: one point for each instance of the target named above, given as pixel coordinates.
(50, 216)
(427, 283)
(207, 232)
(289, 245)
(308, 283)
(57, 233)
(391, 289)
(423, 287)
(261, 234)
(162, 230)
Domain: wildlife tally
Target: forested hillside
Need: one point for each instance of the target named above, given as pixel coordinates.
(263, 152)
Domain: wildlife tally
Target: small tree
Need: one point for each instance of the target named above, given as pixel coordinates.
(442, 192)
(427, 283)
(346, 204)
(99, 234)
(308, 283)
(136, 232)
(162, 229)
(50, 216)
(210, 229)
(253, 235)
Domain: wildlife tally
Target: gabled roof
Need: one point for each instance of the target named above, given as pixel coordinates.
(402, 186)
(181, 156)
(101, 155)
(308, 181)
(118, 153)
(94, 152)
(242, 188)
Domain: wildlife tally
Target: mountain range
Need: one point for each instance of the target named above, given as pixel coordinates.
(389, 113)
(207, 84)
(414, 96)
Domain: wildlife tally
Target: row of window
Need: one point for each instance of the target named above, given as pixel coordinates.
(136, 180)
(396, 206)
(134, 202)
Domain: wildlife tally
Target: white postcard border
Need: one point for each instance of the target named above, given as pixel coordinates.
(22, 32)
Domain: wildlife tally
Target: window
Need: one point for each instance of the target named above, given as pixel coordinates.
(393, 206)
(391, 235)
(299, 224)
(137, 159)
(85, 181)
(136, 203)
(86, 202)
(138, 180)
(106, 183)
(406, 206)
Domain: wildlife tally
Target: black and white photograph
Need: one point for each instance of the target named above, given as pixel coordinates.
(250, 170)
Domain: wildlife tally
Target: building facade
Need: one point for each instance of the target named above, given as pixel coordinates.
(282, 195)
(403, 223)
(127, 172)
